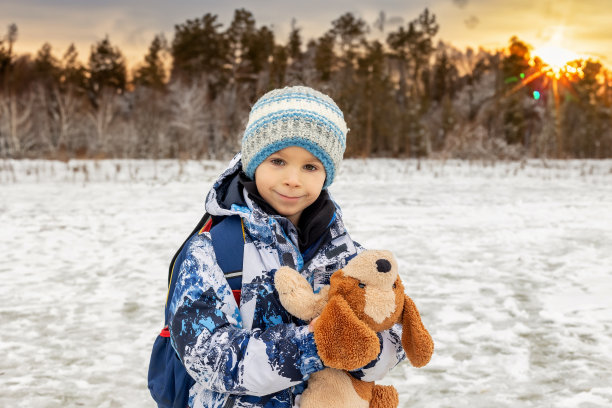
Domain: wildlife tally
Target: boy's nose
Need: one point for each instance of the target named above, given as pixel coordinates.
(292, 178)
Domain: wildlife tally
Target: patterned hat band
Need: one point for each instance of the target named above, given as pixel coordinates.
(295, 116)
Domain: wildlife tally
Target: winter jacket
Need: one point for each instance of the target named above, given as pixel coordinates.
(255, 354)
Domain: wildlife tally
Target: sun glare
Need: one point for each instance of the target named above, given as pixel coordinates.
(555, 57)
(557, 61)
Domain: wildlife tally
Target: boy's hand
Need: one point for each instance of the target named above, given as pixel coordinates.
(312, 323)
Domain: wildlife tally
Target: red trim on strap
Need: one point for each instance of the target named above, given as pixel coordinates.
(236, 293)
(165, 332)
(206, 227)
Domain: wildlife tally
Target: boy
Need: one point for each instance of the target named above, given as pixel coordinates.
(254, 354)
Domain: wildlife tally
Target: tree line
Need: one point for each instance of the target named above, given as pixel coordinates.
(409, 95)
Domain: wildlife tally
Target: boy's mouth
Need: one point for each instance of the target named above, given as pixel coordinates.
(289, 198)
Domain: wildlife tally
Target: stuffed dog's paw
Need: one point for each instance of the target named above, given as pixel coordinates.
(296, 294)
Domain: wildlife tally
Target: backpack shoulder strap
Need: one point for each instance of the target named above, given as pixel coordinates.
(227, 235)
(228, 243)
(205, 224)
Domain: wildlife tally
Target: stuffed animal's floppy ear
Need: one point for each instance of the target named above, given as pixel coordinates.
(343, 341)
(416, 340)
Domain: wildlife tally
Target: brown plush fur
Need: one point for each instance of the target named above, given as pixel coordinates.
(384, 396)
(415, 339)
(338, 331)
(363, 298)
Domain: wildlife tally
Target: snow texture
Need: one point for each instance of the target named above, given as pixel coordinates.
(509, 263)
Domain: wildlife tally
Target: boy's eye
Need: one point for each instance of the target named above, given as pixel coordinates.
(310, 167)
(277, 162)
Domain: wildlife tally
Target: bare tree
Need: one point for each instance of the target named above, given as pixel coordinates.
(15, 119)
(101, 119)
(190, 116)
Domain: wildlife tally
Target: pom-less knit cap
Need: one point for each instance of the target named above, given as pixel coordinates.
(295, 116)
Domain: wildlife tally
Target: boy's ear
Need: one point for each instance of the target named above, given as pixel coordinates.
(343, 341)
(416, 341)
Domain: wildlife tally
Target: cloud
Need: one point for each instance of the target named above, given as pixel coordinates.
(460, 3)
(472, 22)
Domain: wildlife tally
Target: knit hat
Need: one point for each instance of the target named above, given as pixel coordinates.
(295, 116)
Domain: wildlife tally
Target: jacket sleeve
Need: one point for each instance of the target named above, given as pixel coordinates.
(206, 332)
(391, 353)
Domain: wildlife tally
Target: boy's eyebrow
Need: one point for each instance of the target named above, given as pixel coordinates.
(313, 159)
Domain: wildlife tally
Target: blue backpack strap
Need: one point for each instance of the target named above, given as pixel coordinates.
(228, 243)
(227, 236)
(178, 258)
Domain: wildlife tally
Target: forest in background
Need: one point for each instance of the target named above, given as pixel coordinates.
(411, 95)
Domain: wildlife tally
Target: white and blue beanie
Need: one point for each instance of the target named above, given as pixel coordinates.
(295, 116)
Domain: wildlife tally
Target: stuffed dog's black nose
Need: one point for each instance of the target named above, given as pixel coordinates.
(383, 265)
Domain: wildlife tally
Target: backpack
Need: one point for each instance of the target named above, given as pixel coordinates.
(169, 382)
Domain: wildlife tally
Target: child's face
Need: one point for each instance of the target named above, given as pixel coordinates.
(290, 180)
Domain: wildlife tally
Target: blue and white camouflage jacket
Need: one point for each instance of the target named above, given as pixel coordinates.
(255, 354)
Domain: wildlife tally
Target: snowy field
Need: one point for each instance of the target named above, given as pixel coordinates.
(509, 263)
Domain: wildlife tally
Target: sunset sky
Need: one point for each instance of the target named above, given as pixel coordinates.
(583, 27)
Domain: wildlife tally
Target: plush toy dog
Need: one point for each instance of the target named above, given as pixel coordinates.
(365, 297)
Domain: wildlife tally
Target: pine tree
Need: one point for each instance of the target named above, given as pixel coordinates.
(199, 48)
(6, 54)
(294, 46)
(324, 58)
(152, 73)
(414, 46)
(377, 110)
(46, 66)
(107, 80)
(278, 67)
(350, 33)
(259, 48)
(73, 75)
(444, 78)
(585, 120)
(412, 49)
(239, 36)
(515, 68)
(107, 69)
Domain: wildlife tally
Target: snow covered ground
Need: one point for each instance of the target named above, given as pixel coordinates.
(509, 263)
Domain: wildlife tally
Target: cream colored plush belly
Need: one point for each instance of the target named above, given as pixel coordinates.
(331, 388)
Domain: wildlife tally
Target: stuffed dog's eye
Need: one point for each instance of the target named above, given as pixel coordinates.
(361, 285)
(394, 286)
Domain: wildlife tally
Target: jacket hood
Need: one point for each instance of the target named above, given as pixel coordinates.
(226, 192)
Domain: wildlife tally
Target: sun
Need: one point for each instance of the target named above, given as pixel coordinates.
(555, 60)
(555, 57)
